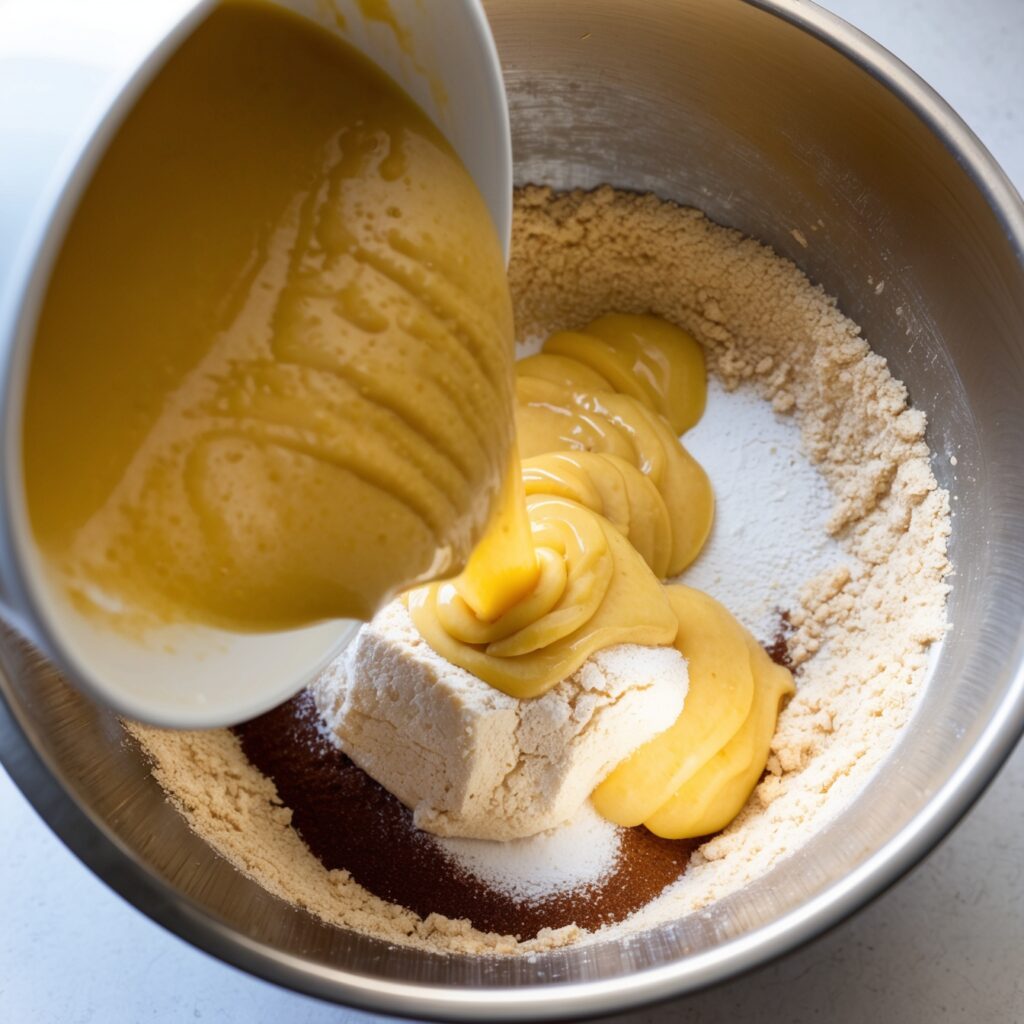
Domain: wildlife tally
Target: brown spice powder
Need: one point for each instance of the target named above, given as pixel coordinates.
(352, 823)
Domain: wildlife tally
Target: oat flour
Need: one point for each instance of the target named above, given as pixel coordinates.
(862, 625)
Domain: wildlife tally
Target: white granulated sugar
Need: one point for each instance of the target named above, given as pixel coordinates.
(580, 853)
(771, 507)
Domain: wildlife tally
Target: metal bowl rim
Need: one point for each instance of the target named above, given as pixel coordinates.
(116, 865)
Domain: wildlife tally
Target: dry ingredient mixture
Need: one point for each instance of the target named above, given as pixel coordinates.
(860, 627)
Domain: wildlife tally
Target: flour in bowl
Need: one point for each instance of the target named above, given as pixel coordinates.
(849, 540)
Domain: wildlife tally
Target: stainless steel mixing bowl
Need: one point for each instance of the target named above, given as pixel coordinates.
(771, 116)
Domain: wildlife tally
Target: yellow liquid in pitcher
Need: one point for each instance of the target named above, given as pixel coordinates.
(272, 381)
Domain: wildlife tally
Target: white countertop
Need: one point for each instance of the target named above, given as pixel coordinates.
(946, 944)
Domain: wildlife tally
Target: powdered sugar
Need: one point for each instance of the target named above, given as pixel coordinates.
(580, 853)
(771, 507)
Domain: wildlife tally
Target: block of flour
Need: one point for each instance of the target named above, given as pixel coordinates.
(471, 761)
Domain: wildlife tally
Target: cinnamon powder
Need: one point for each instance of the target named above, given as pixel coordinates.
(351, 823)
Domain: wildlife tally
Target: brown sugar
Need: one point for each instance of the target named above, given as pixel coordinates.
(353, 824)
